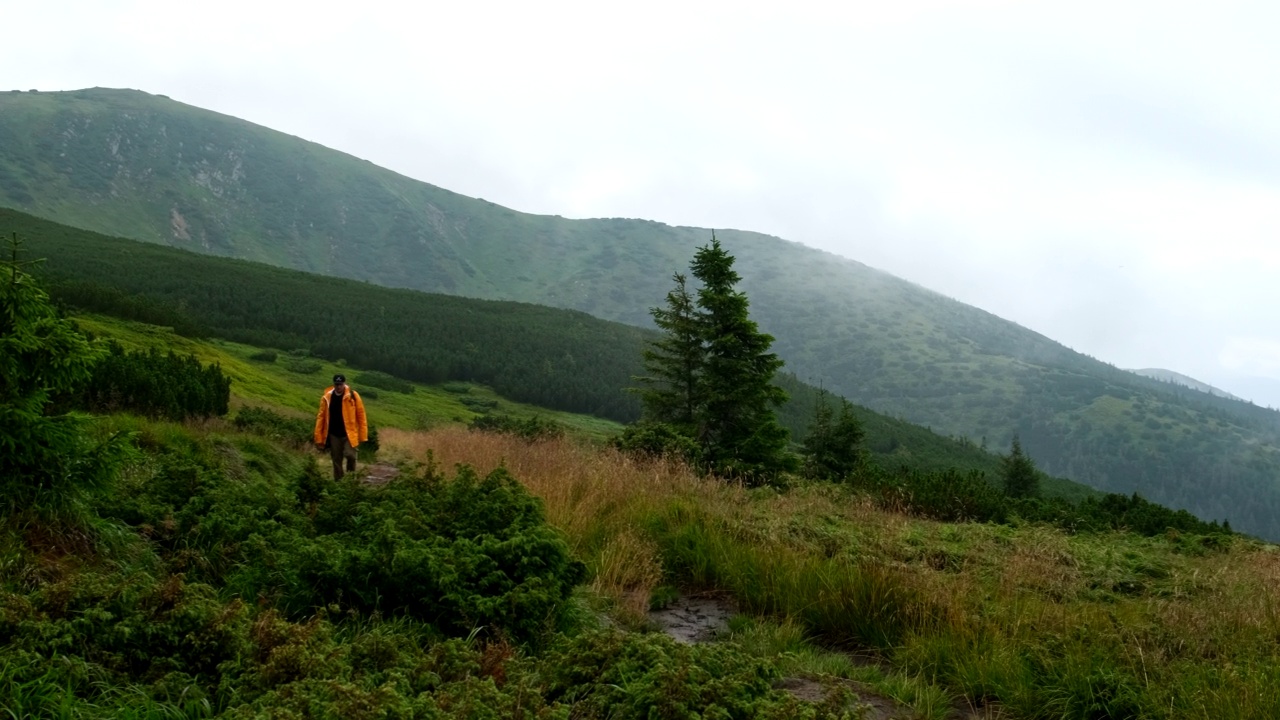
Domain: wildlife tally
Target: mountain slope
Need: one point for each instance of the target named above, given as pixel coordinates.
(1178, 378)
(560, 360)
(131, 164)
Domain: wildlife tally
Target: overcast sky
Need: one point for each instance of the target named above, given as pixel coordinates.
(1107, 174)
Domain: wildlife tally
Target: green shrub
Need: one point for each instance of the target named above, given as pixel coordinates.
(266, 356)
(641, 676)
(303, 366)
(472, 552)
(369, 448)
(656, 440)
(947, 495)
(531, 428)
(46, 458)
(479, 404)
(458, 388)
(154, 383)
(458, 553)
(384, 381)
(271, 424)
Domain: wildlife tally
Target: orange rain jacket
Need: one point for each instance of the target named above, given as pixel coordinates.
(352, 417)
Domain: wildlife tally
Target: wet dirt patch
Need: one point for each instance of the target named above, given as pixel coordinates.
(871, 705)
(378, 474)
(694, 619)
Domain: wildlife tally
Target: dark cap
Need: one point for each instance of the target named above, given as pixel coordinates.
(339, 378)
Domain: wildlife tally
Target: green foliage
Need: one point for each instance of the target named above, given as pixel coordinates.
(458, 553)
(270, 424)
(1021, 479)
(832, 447)
(711, 377)
(532, 428)
(383, 381)
(656, 440)
(947, 495)
(737, 428)
(266, 356)
(672, 392)
(463, 554)
(954, 496)
(479, 404)
(114, 301)
(46, 458)
(303, 366)
(637, 677)
(156, 384)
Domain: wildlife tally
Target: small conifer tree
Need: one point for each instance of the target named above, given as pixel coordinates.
(46, 457)
(832, 448)
(1021, 479)
(710, 378)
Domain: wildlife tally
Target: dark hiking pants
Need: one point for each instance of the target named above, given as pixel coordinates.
(339, 448)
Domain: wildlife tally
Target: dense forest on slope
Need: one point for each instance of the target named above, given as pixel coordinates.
(149, 168)
(554, 358)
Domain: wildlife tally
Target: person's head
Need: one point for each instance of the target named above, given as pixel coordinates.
(340, 382)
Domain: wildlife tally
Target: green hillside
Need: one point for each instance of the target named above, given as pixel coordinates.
(131, 164)
(292, 385)
(567, 362)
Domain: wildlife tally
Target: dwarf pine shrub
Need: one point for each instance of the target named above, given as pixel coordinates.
(47, 458)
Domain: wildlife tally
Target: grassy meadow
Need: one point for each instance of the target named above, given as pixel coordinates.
(1020, 621)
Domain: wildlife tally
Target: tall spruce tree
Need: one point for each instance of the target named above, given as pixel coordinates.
(737, 429)
(709, 394)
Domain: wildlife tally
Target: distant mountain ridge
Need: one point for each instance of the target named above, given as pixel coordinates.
(131, 164)
(1178, 378)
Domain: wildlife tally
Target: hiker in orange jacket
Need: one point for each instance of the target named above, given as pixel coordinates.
(340, 424)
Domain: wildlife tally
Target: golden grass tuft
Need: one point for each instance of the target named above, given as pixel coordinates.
(581, 486)
(627, 569)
